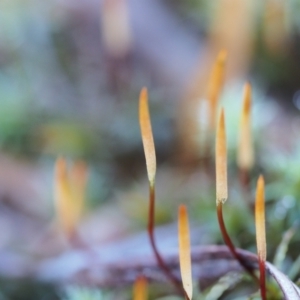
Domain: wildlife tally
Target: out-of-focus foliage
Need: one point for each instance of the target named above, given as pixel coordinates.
(81, 293)
(62, 93)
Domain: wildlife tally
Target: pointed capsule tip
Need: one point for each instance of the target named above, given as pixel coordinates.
(147, 136)
(185, 250)
(182, 209)
(247, 99)
(261, 180)
(144, 93)
(222, 117)
(222, 56)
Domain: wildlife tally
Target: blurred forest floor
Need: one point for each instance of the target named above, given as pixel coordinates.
(70, 77)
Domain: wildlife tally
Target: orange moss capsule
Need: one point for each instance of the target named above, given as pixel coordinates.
(69, 193)
(261, 233)
(185, 251)
(245, 155)
(260, 219)
(215, 86)
(221, 161)
(140, 289)
(147, 136)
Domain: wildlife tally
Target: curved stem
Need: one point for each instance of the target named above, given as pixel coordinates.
(230, 245)
(151, 220)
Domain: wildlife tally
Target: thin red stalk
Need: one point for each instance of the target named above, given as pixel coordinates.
(245, 179)
(160, 260)
(229, 243)
(262, 281)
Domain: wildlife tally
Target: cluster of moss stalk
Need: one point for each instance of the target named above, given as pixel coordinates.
(70, 185)
(245, 162)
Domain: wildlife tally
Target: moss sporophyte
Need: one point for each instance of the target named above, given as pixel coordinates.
(70, 185)
(245, 161)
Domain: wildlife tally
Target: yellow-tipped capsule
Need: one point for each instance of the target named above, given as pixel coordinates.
(185, 251)
(62, 196)
(215, 86)
(260, 219)
(78, 181)
(147, 136)
(221, 161)
(140, 290)
(261, 234)
(69, 189)
(245, 156)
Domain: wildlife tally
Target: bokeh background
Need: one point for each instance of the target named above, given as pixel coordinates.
(70, 77)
